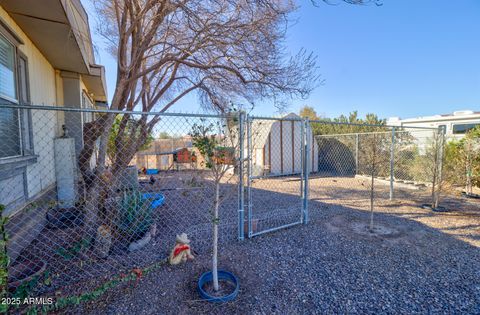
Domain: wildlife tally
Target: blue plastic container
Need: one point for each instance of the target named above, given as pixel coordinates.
(157, 199)
(152, 171)
(222, 275)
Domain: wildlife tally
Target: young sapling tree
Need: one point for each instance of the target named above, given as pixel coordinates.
(218, 150)
(376, 147)
(435, 161)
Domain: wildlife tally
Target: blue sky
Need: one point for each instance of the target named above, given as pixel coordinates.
(405, 58)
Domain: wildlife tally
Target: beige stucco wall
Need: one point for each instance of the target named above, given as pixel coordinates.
(43, 91)
(59, 101)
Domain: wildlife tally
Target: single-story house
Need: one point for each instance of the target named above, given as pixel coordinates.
(46, 59)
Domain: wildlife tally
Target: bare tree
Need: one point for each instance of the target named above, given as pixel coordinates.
(165, 49)
(434, 156)
(223, 50)
(376, 157)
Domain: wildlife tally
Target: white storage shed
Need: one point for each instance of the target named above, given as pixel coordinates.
(276, 146)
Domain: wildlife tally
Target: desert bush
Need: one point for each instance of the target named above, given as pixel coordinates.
(462, 161)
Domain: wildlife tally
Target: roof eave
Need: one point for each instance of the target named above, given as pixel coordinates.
(96, 83)
(58, 28)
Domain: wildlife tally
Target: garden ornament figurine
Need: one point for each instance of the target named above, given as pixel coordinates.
(181, 252)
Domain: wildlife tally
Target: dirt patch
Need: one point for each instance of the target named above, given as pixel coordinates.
(380, 230)
(329, 195)
(342, 224)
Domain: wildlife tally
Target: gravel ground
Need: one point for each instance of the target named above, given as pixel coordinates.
(420, 262)
(462, 220)
(425, 263)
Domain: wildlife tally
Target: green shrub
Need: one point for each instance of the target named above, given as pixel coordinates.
(462, 160)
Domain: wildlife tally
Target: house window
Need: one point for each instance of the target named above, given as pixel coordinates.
(9, 117)
(460, 129)
(14, 123)
(87, 104)
(7, 70)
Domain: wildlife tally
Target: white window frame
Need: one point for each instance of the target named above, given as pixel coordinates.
(14, 46)
(16, 100)
(87, 103)
(24, 126)
(475, 123)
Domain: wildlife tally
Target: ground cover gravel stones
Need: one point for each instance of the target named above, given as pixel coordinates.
(327, 268)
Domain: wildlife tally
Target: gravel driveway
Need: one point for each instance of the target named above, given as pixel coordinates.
(324, 267)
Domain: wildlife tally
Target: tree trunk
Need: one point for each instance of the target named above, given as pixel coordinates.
(371, 200)
(434, 190)
(468, 186)
(434, 179)
(372, 184)
(127, 144)
(215, 236)
(96, 186)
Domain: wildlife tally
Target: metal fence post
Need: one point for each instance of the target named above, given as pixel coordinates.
(302, 171)
(356, 153)
(249, 174)
(306, 150)
(392, 162)
(241, 189)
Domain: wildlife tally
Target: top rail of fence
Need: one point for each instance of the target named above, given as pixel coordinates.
(225, 115)
(369, 125)
(276, 118)
(388, 132)
(113, 111)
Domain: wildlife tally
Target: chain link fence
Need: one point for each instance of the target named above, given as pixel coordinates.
(70, 219)
(375, 165)
(85, 205)
(462, 164)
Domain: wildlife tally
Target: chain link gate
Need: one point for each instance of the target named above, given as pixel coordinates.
(277, 173)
